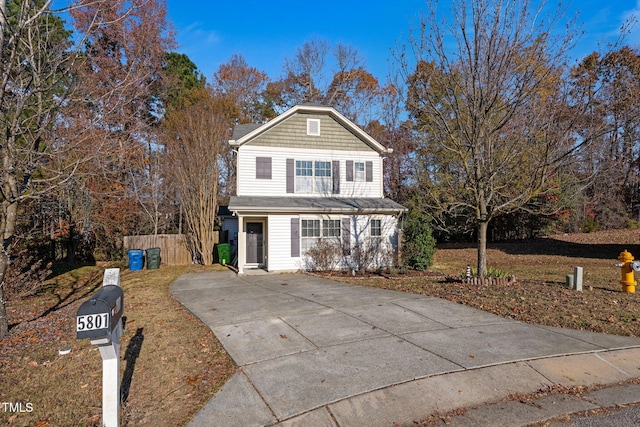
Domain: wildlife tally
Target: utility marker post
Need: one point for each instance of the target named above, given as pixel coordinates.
(577, 278)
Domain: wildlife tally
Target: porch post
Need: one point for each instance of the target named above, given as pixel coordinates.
(242, 245)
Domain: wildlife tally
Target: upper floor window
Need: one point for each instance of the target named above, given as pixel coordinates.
(322, 175)
(313, 127)
(304, 176)
(359, 171)
(313, 176)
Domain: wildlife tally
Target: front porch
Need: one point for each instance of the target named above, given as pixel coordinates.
(252, 247)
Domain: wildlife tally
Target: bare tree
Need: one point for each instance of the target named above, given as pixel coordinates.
(241, 88)
(487, 98)
(610, 85)
(34, 58)
(336, 77)
(194, 139)
(396, 132)
(121, 80)
(46, 136)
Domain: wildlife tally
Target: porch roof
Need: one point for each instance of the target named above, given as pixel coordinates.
(324, 205)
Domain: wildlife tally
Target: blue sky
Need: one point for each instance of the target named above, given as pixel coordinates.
(267, 32)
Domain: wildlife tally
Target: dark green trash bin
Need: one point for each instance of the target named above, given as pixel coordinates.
(224, 253)
(153, 258)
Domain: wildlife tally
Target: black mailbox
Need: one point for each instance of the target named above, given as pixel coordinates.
(98, 317)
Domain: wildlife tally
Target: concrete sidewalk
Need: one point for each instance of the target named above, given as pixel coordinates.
(315, 352)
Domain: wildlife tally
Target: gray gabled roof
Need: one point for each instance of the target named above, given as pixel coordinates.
(241, 130)
(223, 211)
(320, 205)
(244, 133)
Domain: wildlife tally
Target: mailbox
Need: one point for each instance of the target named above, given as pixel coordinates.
(98, 317)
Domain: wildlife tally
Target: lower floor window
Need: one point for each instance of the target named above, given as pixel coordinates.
(376, 232)
(312, 230)
(331, 227)
(310, 233)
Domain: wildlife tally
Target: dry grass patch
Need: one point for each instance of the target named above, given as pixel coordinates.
(171, 363)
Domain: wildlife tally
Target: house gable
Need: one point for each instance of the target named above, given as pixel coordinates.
(290, 130)
(292, 133)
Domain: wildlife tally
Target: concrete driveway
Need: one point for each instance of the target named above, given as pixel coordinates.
(314, 352)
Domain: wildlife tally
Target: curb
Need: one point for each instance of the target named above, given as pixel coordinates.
(554, 409)
(493, 394)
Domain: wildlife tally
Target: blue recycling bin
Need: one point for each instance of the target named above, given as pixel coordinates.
(136, 259)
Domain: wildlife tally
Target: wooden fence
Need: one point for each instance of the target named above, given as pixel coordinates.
(173, 247)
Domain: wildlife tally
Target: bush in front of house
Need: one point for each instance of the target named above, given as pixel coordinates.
(323, 256)
(419, 246)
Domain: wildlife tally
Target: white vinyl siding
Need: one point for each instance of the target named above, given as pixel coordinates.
(336, 161)
(377, 230)
(279, 244)
(248, 185)
(278, 235)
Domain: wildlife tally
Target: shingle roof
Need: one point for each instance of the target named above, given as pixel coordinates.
(314, 204)
(224, 211)
(241, 130)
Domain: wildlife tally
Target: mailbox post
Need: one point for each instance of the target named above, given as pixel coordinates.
(100, 320)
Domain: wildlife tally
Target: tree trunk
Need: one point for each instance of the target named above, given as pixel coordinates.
(9, 224)
(482, 248)
(4, 321)
(71, 246)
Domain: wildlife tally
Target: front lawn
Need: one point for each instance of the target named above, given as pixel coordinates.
(171, 363)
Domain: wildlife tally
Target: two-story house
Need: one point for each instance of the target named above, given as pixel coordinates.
(306, 176)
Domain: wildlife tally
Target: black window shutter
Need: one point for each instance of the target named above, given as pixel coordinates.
(263, 167)
(290, 176)
(295, 237)
(349, 170)
(346, 236)
(369, 169)
(336, 176)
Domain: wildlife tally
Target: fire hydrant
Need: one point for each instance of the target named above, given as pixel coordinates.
(627, 266)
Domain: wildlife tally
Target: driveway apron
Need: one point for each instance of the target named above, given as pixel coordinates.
(309, 347)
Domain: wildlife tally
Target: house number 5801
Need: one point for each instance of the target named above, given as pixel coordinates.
(90, 322)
